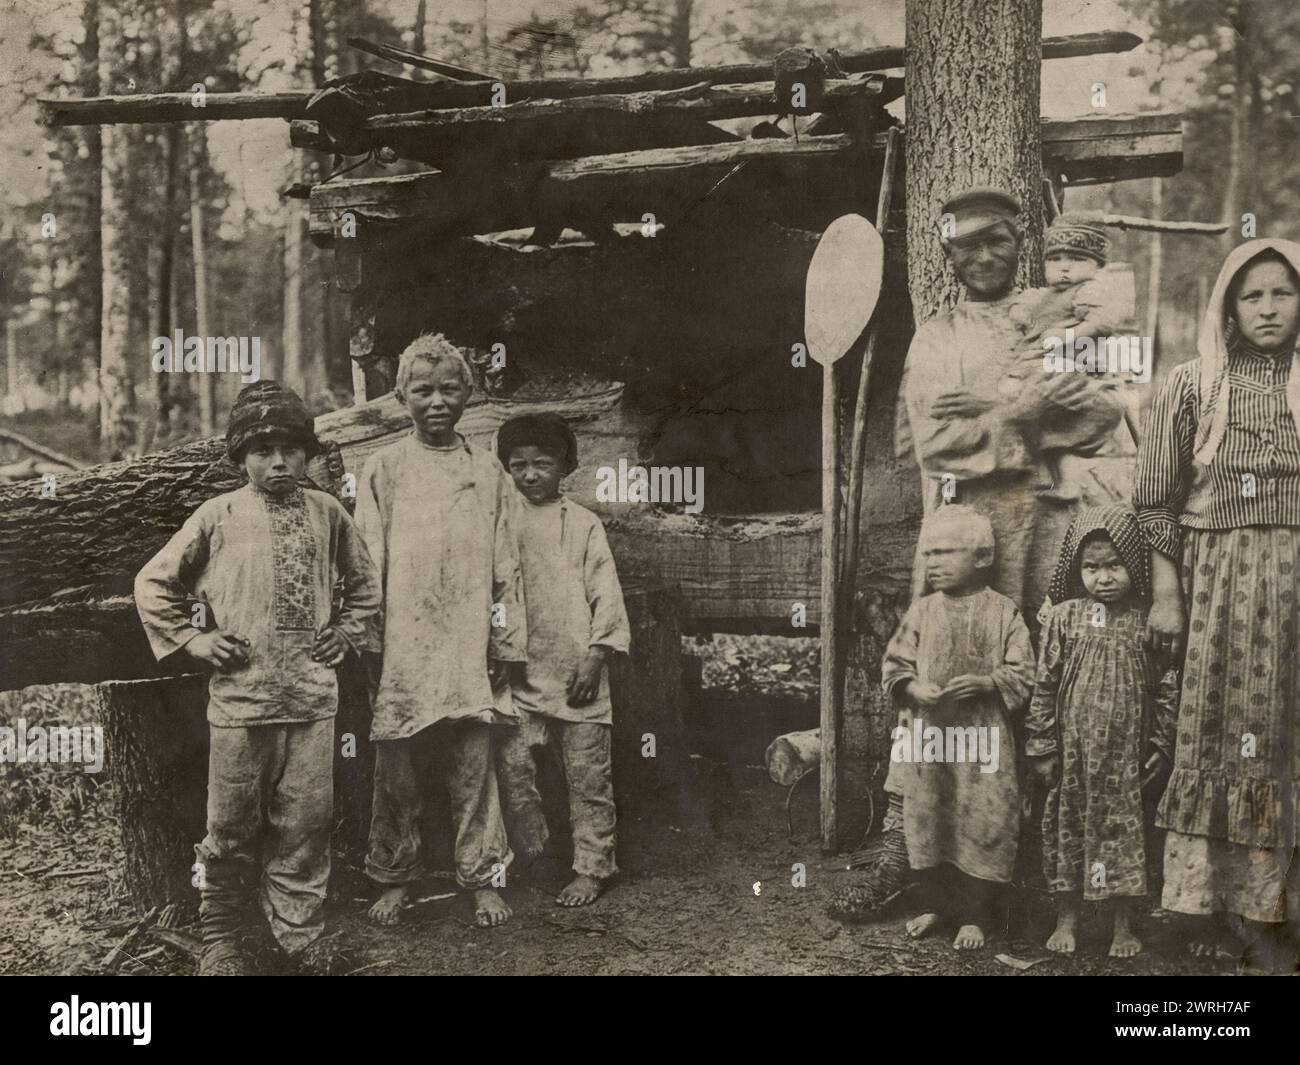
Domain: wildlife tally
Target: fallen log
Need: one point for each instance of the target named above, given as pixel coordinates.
(67, 563)
(794, 755)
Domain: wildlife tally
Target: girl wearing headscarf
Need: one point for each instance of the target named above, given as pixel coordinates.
(1100, 727)
(1217, 492)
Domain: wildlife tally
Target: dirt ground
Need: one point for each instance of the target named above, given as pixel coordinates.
(686, 903)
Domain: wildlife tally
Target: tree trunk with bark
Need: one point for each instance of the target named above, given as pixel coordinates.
(116, 401)
(973, 79)
(207, 383)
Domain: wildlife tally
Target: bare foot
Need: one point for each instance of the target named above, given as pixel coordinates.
(922, 925)
(490, 909)
(580, 891)
(1062, 938)
(1123, 943)
(389, 904)
(1204, 936)
(969, 937)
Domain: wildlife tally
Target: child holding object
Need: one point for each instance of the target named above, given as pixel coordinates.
(263, 561)
(960, 668)
(434, 512)
(1101, 724)
(576, 619)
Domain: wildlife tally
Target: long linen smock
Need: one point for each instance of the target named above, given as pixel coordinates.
(975, 346)
(436, 521)
(266, 569)
(574, 602)
(954, 812)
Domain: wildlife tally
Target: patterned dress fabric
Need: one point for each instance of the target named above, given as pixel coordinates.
(1101, 704)
(1218, 490)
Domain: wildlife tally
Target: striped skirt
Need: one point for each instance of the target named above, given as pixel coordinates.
(1231, 803)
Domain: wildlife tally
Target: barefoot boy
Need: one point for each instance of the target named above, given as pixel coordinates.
(576, 620)
(262, 563)
(960, 668)
(433, 511)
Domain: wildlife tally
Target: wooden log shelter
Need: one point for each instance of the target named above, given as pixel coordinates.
(611, 249)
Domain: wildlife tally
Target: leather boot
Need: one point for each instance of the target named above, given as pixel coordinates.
(226, 898)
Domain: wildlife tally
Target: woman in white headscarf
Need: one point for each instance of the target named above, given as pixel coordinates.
(1218, 494)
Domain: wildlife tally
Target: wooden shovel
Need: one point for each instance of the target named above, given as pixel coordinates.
(840, 296)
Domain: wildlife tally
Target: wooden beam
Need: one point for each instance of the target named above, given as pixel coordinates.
(658, 180)
(179, 107)
(142, 108)
(701, 99)
(1105, 148)
(695, 158)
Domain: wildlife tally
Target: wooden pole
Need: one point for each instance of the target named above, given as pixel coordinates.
(1157, 262)
(829, 629)
(858, 449)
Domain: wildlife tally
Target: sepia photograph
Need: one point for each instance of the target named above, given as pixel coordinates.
(651, 487)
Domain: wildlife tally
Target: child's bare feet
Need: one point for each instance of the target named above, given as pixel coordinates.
(490, 909)
(1123, 943)
(1206, 935)
(580, 891)
(969, 937)
(1062, 939)
(922, 925)
(389, 904)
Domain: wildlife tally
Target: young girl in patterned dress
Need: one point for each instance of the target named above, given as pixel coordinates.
(1100, 726)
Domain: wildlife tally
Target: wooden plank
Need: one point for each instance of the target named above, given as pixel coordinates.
(178, 107)
(695, 158)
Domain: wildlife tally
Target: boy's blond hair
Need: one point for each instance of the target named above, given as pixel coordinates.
(976, 530)
(432, 348)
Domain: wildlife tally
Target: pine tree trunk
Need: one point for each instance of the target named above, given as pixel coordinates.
(88, 58)
(115, 396)
(207, 384)
(973, 73)
(681, 33)
(291, 327)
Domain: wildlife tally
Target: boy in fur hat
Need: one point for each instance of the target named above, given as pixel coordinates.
(246, 587)
(576, 619)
